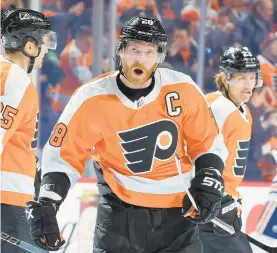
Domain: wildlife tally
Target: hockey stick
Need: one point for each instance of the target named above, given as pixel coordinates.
(261, 245)
(70, 235)
(215, 221)
(21, 244)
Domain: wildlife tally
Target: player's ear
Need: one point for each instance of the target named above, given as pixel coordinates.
(224, 78)
(31, 48)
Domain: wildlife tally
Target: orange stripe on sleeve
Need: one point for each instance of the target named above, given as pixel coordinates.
(15, 198)
(5, 69)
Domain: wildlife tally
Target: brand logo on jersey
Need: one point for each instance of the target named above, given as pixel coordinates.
(34, 142)
(241, 158)
(24, 15)
(142, 145)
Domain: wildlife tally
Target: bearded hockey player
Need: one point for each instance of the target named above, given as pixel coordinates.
(137, 120)
(239, 76)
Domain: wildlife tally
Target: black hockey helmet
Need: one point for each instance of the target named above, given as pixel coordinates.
(18, 24)
(240, 60)
(149, 30)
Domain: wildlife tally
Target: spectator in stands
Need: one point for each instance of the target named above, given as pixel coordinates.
(51, 75)
(268, 61)
(257, 108)
(211, 13)
(181, 55)
(126, 9)
(224, 34)
(143, 5)
(8, 4)
(238, 11)
(257, 25)
(275, 16)
(76, 61)
(170, 11)
(192, 17)
(268, 162)
(61, 21)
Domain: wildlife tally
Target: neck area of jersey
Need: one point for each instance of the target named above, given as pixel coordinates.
(134, 94)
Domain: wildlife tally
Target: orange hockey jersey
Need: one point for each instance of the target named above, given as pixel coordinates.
(19, 129)
(235, 126)
(136, 142)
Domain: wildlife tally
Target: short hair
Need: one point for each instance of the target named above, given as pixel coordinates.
(218, 81)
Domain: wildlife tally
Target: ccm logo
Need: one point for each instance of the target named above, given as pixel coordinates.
(212, 183)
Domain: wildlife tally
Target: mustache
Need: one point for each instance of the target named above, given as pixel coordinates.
(138, 66)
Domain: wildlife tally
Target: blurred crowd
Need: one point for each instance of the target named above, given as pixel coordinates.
(249, 23)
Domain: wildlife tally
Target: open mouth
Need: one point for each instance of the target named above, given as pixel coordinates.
(138, 72)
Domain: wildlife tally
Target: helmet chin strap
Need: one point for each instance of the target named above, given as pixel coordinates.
(32, 59)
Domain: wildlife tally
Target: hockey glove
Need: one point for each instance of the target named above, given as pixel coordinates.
(230, 212)
(207, 189)
(41, 214)
(41, 217)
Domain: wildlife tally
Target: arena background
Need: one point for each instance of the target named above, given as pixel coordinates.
(199, 31)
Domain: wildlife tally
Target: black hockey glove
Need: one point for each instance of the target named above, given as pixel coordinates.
(230, 212)
(41, 214)
(207, 189)
(41, 217)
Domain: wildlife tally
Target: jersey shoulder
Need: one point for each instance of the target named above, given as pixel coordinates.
(170, 77)
(211, 97)
(222, 107)
(102, 85)
(14, 79)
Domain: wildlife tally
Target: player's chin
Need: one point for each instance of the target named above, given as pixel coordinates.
(138, 80)
(245, 96)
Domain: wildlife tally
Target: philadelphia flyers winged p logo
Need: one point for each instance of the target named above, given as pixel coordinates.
(143, 144)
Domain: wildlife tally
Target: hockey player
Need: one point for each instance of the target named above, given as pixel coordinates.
(26, 37)
(137, 120)
(239, 76)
